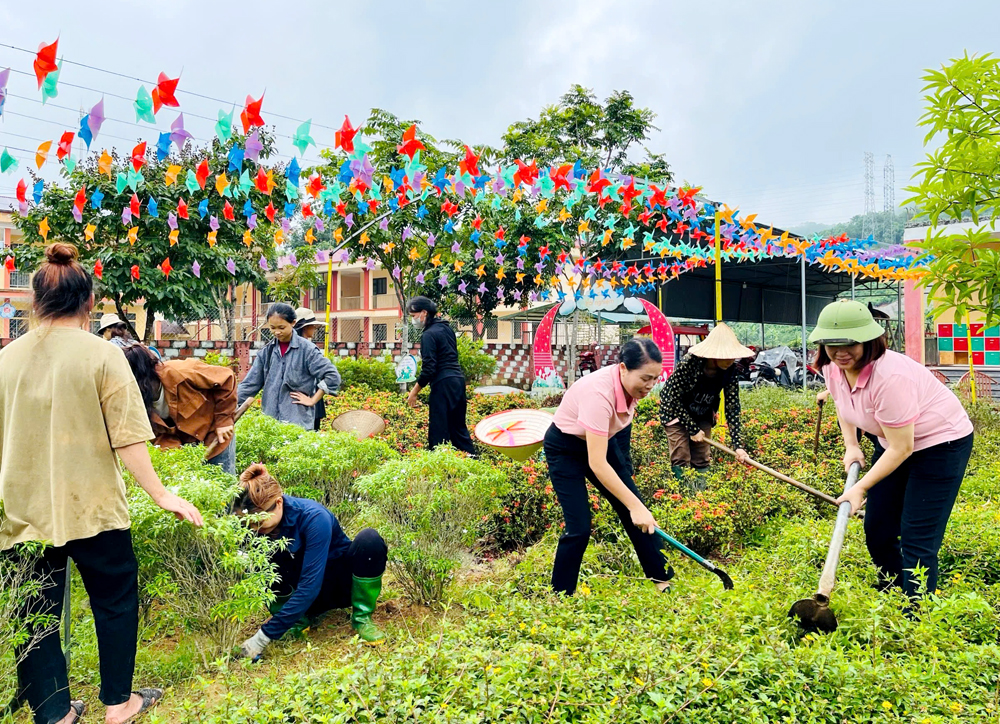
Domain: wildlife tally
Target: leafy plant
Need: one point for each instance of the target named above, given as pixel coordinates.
(376, 373)
(215, 578)
(427, 506)
(220, 360)
(260, 439)
(329, 463)
(476, 364)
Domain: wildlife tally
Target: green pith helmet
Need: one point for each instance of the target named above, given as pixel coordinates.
(845, 322)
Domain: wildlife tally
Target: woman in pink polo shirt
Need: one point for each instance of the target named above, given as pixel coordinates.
(924, 442)
(585, 442)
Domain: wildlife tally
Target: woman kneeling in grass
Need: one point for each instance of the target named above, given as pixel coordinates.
(321, 568)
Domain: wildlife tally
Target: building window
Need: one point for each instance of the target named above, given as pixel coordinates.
(19, 324)
(20, 280)
(380, 286)
(317, 299)
(379, 331)
(492, 329)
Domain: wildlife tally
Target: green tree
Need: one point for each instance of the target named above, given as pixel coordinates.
(580, 128)
(142, 247)
(959, 180)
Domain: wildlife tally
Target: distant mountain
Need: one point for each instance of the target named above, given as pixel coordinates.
(808, 228)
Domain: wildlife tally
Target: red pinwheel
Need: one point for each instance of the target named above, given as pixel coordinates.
(410, 144)
(139, 156)
(344, 138)
(250, 115)
(470, 164)
(163, 93)
(45, 61)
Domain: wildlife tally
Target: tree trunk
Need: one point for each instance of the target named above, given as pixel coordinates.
(147, 333)
(124, 317)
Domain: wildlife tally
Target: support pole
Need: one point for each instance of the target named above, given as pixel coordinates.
(972, 366)
(329, 300)
(805, 356)
(852, 287)
(718, 270)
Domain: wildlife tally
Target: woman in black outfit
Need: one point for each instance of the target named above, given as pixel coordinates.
(440, 370)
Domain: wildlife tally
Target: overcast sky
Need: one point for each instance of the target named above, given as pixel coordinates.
(767, 105)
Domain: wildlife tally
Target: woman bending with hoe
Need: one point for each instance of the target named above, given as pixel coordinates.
(923, 447)
(188, 402)
(291, 371)
(585, 442)
(690, 399)
(321, 568)
(68, 405)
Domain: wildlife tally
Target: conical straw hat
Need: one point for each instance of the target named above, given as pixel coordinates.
(721, 343)
(518, 434)
(361, 422)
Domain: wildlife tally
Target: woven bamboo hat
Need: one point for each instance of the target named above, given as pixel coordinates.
(362, 423)
(305, 317)
(108, 320)
(720, 343)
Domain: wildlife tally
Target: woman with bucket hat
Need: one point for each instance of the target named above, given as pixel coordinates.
(690, 399)
(306, 325)
(114, 330)
(924, 442)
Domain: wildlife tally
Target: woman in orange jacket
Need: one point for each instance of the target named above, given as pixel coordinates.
(188, 402)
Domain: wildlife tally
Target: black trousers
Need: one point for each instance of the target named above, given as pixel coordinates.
(448, 405)
(569, 470)
(365, 558)
(109, 571)
(908, 511)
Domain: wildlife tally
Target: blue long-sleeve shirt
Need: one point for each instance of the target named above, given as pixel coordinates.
(315, 538)
(302, 368)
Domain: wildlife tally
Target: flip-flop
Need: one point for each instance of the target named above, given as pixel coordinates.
(79, 709)
(150, 698)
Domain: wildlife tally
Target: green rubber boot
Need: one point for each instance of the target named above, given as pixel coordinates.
(364, 597)
(678, 471)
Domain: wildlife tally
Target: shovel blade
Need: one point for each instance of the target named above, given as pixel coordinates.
(812, 615)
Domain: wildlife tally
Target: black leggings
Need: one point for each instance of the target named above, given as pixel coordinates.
(908, 511)
(109, 571)
(569, 470)
(448, 404)
(365, 558)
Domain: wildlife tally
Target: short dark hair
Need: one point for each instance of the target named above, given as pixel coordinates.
(422, 304)
(118, 330)
(873, 350)
(280, 309)
(639, 351)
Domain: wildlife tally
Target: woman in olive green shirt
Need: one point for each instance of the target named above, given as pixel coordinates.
(68, 404)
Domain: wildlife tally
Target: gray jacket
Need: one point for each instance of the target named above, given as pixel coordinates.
(302, 369)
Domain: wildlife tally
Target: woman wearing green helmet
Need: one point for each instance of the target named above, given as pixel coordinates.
(924, 442)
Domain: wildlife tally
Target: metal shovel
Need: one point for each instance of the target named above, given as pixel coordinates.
(814, 614)
(727, 582)
(819, 424)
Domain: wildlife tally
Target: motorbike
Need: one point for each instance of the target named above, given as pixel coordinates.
(586, 362)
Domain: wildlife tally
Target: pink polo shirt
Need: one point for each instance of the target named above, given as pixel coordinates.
(896, 391)
(596, 402)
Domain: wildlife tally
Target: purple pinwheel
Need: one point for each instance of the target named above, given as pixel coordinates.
(178, 135)
(213, 223)
(231, 266)
(396, 272)
(443, 280)
(196, 269)
(263, 262)
(253, 147)
(172, 221)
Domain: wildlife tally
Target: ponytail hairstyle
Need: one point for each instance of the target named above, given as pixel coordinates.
(280, 309)
(143, 364)
(639, 351)
(422, 304)
(260, 493)
(62, 287)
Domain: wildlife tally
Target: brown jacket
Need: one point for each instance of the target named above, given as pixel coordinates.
(201, 399)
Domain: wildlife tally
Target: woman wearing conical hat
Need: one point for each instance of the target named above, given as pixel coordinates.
(690, 399)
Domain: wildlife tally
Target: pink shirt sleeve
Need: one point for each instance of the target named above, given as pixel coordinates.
(895, 404)
(595, 414)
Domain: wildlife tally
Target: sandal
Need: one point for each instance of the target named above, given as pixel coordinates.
(150, 698)
(78, 708)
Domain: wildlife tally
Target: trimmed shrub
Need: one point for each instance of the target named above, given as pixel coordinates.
(376, 373)
(427, 507)
(215, 579)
